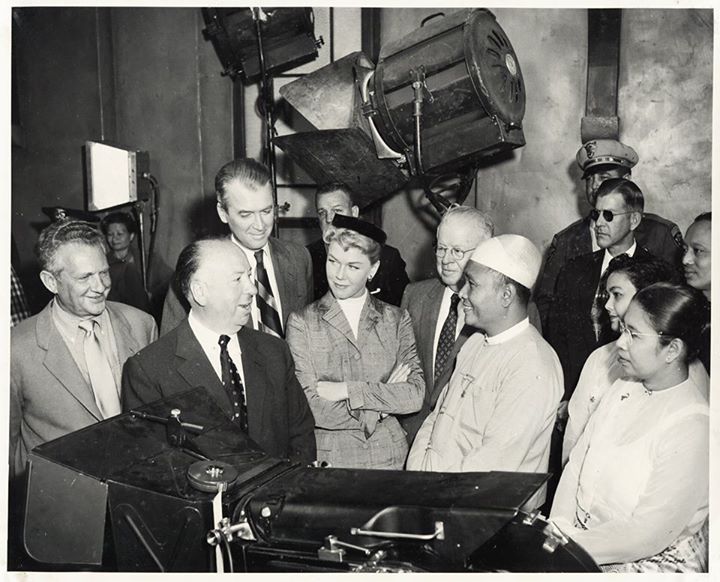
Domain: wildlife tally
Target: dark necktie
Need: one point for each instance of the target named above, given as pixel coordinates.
(233, 384)
(447, 337)
(269, 318)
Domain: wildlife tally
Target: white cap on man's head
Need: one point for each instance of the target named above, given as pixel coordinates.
(512, 255)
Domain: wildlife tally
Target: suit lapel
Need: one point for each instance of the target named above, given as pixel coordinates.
(370, 318)
(253, 365)
(61, 364)
(195, 368)
(429, 321)
(333, 314)
(285, 276)
(127, 344)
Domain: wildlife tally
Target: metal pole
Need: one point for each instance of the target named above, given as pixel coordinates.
(266, 96)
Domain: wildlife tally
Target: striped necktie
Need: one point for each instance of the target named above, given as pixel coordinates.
(102, 379)
(267, 305)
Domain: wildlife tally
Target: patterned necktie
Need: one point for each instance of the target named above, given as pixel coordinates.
(269, 318)
(447, 337)
(233, 384)
(102, 379)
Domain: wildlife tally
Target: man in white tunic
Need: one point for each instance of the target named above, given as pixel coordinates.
(498, 410)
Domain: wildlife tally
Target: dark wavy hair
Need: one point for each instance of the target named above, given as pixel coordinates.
(676, 311)
(629, 190)
(642, 271)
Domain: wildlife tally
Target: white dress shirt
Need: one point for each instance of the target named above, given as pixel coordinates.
(267, 261)
(607, 257)
(208, 340)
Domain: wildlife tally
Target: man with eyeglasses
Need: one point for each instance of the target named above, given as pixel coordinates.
(434, 305)
(578, 322)
(600, 160)
(389, 281)
(281, 269)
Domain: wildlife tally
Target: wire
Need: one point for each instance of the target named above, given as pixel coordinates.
(228, 554)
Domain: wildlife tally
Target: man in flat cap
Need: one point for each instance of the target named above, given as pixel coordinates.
(391, 278)
(600, 160)
(498, 410)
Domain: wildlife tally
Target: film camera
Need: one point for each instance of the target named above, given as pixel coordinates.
(176, 486)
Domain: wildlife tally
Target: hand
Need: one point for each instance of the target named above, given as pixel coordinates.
(400, 373)
(332, 391)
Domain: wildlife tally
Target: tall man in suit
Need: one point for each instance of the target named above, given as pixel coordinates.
(250, 374)
(600, 160)
(66, 361)
(434, 304)
(283, 273)
(389, 281)
(578, 322)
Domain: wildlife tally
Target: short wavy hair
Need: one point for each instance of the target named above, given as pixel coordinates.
(248, 172)
(63, 232)
(347, 238)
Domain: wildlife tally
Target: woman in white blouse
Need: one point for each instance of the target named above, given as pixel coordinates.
(634, 493)
(623, 278)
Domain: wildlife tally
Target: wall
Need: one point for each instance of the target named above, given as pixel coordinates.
(162, 92)
(665, 98)
(146, 78)
(59, 108)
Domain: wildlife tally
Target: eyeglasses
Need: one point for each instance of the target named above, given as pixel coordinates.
(633, 335)
(456, 253)
(608, 215)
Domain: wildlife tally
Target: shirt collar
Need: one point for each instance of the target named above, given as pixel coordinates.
(69, 322)
(249, 253)
(607, 257)
(508, 334)
(206, 336)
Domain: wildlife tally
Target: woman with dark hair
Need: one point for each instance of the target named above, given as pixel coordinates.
(624, 277)
(634, 493)
(697, 262)
(119, 229)
(355, 357)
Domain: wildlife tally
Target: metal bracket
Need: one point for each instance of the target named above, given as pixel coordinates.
(439, 533)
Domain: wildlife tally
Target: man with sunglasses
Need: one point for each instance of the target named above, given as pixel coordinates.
(600, 160)
(578, 322)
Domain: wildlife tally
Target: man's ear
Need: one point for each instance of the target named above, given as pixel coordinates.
(635, 219)
(198, 292)
(49, 280)
(355, 211)
(508, 294)
(132, 236)
(222, 213)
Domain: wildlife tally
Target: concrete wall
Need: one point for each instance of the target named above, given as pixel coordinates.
(665, 105)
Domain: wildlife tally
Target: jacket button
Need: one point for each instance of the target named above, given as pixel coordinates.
(356, 356)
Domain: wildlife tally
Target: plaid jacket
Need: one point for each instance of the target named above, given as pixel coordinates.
(362, 431)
